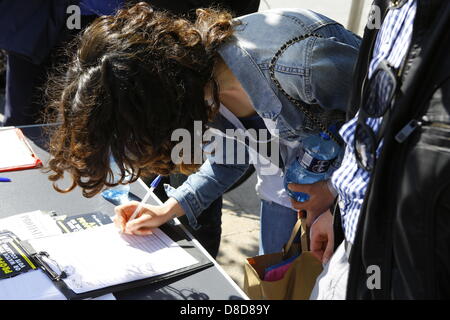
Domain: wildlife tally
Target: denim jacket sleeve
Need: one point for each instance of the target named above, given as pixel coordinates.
(205, 186)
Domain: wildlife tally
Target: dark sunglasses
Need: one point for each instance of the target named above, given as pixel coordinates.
(376, 100)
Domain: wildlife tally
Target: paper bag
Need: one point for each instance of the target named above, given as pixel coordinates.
(299, 279)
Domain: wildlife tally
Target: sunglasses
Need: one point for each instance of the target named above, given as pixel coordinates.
(377, 99)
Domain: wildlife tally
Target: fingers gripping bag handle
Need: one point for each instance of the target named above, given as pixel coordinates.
(299, 228)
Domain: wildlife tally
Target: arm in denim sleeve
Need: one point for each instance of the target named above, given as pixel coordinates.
(205, 186)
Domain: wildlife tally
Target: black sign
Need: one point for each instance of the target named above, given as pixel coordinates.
(82, 222)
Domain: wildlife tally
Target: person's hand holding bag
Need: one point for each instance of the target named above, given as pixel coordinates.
(322, 237)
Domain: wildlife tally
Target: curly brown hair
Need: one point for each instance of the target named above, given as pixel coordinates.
(135, 78)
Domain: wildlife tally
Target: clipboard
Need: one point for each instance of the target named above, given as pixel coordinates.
(17, 153)
(45, 262)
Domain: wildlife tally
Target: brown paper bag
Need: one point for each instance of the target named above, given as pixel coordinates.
(298, 281)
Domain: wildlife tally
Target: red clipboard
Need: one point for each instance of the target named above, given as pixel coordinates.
(15, 151)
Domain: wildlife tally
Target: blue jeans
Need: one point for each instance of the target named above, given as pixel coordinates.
(277, 223)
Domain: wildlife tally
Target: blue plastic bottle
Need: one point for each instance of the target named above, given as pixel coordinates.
(119, 194)
(313, 164)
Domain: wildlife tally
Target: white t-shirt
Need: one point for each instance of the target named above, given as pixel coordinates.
(270, 178)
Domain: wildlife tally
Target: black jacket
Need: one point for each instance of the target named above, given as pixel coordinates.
(237, 7)
(32, 28)
(404, 227)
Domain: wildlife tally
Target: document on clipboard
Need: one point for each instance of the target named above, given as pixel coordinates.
(94, 262)
(98, 261)
(16, 153)
(21, 278)
(102, 257)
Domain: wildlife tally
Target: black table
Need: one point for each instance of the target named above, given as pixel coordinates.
(31, 190)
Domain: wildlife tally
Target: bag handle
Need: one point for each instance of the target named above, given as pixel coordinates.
(300, 226)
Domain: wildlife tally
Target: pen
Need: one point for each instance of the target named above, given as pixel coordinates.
(153, 185)
(5, 179)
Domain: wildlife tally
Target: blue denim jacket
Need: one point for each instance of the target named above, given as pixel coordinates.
(317, 71)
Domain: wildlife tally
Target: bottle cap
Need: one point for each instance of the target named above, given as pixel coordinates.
(324, 136)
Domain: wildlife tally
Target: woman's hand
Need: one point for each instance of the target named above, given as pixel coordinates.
(148, 218)
(322, 237)
(320, 199)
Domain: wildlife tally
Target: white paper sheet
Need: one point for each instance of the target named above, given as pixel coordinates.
(30, 225)
(103, 257)
(32, 285)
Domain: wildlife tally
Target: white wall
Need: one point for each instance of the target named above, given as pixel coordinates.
(338, 10)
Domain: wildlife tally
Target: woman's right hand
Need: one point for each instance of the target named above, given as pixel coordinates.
(147, 219)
